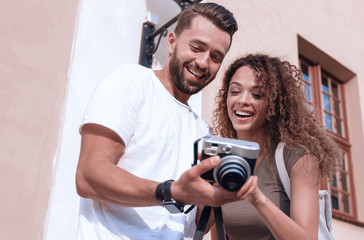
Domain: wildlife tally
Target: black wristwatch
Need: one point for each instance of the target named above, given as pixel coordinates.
(164, 197)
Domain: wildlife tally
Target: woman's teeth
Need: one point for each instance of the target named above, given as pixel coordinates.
(243, 114)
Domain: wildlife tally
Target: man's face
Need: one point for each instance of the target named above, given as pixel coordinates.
(196, 55)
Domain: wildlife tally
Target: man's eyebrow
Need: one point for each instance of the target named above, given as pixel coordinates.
(198, 42)
(204, 44)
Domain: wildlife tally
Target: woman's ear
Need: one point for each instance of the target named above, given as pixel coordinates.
(171, 42)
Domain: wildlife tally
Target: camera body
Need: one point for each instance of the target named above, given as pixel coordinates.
(237, 163)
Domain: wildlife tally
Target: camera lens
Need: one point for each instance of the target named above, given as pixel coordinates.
(232, 172)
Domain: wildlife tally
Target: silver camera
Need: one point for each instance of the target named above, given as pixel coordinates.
(237, 163)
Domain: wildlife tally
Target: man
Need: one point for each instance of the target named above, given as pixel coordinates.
(138, 131)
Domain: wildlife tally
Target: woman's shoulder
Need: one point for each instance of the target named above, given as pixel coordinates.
(292, 153)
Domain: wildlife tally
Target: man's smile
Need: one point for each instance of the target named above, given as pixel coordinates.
(195, 73)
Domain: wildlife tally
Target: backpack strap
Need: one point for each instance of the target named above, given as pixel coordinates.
(282, 171)
(325, 217)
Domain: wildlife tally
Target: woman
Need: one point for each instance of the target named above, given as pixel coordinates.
(262, 100)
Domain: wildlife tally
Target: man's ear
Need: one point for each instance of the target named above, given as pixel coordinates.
(171, 42)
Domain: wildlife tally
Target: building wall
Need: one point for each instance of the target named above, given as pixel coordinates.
(35, 45)
(107, 35)
(335, 27)
(53, 54)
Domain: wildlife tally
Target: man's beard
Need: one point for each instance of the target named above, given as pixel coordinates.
(180, 81)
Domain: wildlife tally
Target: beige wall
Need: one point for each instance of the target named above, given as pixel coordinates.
(35, 50)
(35, 46)
(335, 27)
(346, 231)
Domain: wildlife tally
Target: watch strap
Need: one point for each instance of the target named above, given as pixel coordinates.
(167, 190)
(159, 193)
(164, 197)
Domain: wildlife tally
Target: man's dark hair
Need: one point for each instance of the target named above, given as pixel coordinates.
(217, 14)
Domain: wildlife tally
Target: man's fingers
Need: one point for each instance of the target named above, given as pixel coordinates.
(205, 165)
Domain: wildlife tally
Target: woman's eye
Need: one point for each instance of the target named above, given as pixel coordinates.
(257, 96)
(234, 92)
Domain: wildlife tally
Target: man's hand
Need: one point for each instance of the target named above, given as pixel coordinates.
(190, 188)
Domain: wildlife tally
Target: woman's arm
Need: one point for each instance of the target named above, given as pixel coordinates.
(304, 206)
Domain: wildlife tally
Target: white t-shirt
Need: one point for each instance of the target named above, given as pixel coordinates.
(159, 132)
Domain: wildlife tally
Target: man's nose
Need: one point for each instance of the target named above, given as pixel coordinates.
(203, 60)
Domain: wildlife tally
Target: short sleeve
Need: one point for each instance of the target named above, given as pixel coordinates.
(291, 156)
(115, 104)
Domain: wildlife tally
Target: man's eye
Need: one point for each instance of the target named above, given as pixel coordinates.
(216, 59)
(195, 48)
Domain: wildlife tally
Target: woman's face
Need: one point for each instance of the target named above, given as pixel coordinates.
(246, 104)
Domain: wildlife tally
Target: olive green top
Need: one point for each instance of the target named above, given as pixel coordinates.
(242, 221)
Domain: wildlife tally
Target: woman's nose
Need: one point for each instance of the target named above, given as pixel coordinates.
(245, 98)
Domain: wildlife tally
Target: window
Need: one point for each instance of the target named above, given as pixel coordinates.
(326, 94)
(332, 105)
(340, 193)
(308, 83)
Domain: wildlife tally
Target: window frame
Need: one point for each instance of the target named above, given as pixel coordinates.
(315, 73)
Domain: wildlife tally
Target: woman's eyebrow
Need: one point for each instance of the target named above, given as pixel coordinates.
(235, 83)
(238, 84)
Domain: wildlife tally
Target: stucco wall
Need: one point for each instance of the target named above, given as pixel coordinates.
(335, 27)
(35, 45)
(45, 42)
(108, 34)
(345, 231)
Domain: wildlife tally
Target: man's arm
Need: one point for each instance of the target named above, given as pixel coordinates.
(98, 176)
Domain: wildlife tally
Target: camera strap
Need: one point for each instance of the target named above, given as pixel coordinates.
(202, 223)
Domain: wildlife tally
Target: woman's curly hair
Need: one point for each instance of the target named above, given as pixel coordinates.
(288, 118)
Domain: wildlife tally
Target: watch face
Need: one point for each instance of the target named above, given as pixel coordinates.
(172, 206)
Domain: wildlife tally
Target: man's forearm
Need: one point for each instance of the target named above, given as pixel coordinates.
(108, 183)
